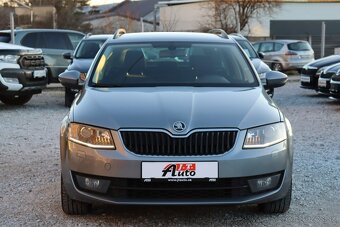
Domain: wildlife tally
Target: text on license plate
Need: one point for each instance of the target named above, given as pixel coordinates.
(39, 74)
(305, 79)
(322, 83)
(179, 170)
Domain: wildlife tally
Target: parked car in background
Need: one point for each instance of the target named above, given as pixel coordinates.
(82, 59)
(324, 81)
(174, 119)
(335, 86)
(282, 55)
(310, 73)
(22, 73)
(259, 65)
(52, 42)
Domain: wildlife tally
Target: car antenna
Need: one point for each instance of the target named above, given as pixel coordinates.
(220, 32)
(119, 33)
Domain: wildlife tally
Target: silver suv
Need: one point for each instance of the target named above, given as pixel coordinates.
(283, 55)
(174, 119)
(52, 42)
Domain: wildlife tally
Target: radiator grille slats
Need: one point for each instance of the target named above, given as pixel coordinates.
(32, 62)
(162, 144)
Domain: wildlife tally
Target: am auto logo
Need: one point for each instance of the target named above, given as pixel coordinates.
(179, 170)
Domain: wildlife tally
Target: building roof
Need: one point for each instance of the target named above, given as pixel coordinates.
(134, 9)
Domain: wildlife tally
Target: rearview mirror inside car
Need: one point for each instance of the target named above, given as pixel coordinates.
(70, 79)
(275, 79)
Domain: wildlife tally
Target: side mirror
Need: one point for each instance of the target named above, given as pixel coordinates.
(67, 56)
(71, 79)
(275, 79)
(261, 55)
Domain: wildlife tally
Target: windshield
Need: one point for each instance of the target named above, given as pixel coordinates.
(5, 37)
(246, 46)
(173, 64)
(88, 48)
(299, 46)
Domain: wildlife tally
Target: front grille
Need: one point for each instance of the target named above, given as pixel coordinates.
(309, 71)
(32, 62)
(327, 75)
(160, 143)
(136, 189)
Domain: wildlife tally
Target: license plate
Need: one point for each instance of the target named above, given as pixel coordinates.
(322, 83)
(39, 74)
(179, 170)
(305, 79)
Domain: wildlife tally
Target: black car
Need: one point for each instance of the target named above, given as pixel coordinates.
(325, 78)
(335, 86)
(82, 60)
(260, 67)
(310, 73)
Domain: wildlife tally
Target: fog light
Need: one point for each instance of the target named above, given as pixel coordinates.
(92, 184)
(11, 80)
(264, 183)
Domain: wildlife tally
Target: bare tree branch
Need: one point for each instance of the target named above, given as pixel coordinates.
(227, 13)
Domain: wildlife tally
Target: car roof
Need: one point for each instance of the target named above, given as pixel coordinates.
(237, 37)
(281, 41)
(170, 36)
(41, 30)
(101, 36)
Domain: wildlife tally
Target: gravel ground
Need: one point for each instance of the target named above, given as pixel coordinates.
(29, 171)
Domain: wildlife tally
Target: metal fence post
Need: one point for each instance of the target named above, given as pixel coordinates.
(323, 38)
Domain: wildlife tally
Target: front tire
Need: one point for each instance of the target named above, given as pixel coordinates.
(15, 100)
(277, 206)
(71, 206)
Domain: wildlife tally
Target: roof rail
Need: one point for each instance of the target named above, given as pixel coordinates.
(220, 32)
(88, 35)
(119, 33)
(238, 34)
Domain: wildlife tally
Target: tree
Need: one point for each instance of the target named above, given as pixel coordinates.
(231, 14)
(69, 12)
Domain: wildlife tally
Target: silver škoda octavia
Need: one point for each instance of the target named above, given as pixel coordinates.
(174, 119)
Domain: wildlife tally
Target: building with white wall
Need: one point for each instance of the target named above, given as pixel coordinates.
(293, 19)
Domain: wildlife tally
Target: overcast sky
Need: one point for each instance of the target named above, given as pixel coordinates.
(102, 2)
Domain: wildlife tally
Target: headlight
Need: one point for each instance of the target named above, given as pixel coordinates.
(9, 58)
(90, 136)
(319, 72)
(265, 136)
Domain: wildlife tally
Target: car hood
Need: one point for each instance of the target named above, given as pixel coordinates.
(6, 48)
(332, 68)
(161, 107)
(81, 65)
(260, 66)
(330, 60)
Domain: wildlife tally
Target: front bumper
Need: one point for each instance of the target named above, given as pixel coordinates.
(28, 83)
(335, 89)
(123, 168)
(309, 81)
(324, 86)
